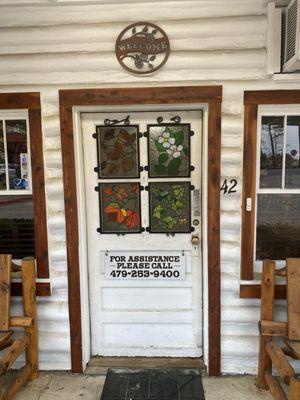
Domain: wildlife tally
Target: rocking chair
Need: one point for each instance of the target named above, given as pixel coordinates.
(270, 352)
(12, 347)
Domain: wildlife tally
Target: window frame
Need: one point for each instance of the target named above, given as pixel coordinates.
(9, 115)
(254, 102)
(266, 111)
(12, 103)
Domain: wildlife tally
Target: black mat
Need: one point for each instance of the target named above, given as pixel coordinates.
(152, 384)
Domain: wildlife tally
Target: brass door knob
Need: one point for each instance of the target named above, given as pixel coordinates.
(195, 240)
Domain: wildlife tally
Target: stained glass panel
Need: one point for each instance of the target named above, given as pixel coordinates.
(17, 156)
(170, 207)
(118, 151)
(169, 150)
(120, 208)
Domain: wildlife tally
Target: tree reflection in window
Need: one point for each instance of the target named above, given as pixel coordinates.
(272, 137)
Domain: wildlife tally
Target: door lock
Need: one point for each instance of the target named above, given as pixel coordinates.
(195, 240)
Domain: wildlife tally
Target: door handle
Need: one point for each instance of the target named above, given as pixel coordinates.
(195, 240)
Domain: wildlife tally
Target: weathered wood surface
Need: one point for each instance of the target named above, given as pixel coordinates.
(280, 361)
(5, 278)
(92, 13)
(275, 388)
(294, 391)
(30, 310)
(4, 336)
(272, 328)
(21, 378)
(294, 346)
(266, 313)
(21, 322)
(194, 35)
(293, 298)
(10, 355)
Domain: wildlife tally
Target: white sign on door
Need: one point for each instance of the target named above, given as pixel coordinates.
(146, 265)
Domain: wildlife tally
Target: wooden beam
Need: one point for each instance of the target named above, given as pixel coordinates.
(275, 388)
(5, 278)
(145, 95)
(249, 187)
(293, 298)
(21, 378)
(39, 193)
(272, 97)
(42, 289)
(21, 322)
(30, 310)
(272, 328)
(294, 392)
(15, 101)
(280, 361)
(266, 313)
(10, 355)
(213, 231)
(4, 336)
(249, 291)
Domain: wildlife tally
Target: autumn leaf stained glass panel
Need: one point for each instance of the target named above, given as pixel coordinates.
(118, 151)
(120, 207)
(169, 150)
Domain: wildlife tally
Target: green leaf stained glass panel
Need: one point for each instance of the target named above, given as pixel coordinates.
(170, 207)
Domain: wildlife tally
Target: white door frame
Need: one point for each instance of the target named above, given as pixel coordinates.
(81, 206)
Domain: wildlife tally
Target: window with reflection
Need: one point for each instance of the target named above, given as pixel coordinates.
(16, 200)
(278, 188)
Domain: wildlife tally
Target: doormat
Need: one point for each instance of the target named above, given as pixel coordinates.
(152, 384)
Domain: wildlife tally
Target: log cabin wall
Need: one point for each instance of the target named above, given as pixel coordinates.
(46, 47)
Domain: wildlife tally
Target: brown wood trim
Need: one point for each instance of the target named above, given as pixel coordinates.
(42, 289)
(248, 291)
(31, 102)
(272, 97)
(39, 196)
(162, 95)
(211, 95)
(214, 274)
(13, 101)
(249, 191)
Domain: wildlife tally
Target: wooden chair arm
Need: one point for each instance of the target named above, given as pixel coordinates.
(272, 328)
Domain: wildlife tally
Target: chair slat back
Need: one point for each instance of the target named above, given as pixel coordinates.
(5, 282)
(293, 298)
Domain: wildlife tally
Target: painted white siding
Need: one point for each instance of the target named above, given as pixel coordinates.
(49, 47)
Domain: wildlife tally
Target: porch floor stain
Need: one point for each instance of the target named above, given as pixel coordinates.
(153, 384)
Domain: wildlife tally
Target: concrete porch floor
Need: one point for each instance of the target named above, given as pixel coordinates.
(65, 386)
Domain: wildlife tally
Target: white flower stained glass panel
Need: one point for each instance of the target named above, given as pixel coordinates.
(169, 150)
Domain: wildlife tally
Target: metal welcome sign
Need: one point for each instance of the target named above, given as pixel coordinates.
(142, 48)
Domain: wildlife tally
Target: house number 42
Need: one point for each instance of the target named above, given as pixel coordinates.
(229, 188)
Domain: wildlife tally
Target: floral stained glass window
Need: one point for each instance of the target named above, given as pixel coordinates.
(120, 207)
(169, 150)
(118, 151)
(170, 207)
